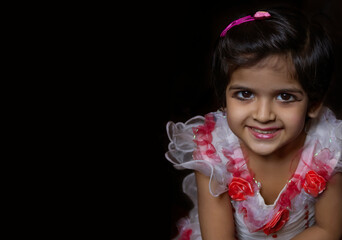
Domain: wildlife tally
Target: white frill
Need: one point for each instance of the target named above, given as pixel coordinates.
(327, 130)
(181, 148)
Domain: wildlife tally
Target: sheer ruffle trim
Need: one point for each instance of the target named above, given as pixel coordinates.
(206, 144)
(188, 227)
(191, 147)
(326, 133)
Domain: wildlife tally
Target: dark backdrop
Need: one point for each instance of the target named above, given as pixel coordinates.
(174, 85)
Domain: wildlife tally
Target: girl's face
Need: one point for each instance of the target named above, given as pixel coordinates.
(266, 107)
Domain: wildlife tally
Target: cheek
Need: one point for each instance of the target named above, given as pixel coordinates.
(234, 108)
(235, 116)
(296, 122)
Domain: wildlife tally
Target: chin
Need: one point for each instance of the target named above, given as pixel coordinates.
(262, 149)
(264, 153)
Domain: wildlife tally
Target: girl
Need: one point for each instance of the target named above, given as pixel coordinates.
(268, 165)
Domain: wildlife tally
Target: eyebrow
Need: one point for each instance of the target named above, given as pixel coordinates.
(287, 90)
(238, 87)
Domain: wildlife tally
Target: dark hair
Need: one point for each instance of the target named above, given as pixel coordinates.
(287, 32)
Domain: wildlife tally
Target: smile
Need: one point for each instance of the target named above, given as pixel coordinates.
(264, 133)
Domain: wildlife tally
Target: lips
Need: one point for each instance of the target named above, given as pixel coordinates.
(264, 133)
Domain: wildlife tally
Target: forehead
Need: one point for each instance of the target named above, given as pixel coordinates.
(270, 72)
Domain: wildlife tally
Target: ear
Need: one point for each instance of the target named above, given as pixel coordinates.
(315, 109)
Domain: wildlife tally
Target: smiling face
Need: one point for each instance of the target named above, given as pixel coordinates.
(267, 107)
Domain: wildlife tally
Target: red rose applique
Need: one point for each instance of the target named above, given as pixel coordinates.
(277, 222)
(186, 234)
(314, 184)
(239, 189)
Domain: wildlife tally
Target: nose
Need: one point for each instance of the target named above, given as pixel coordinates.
(263, 111)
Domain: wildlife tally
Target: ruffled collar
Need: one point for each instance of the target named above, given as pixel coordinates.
(320, 154)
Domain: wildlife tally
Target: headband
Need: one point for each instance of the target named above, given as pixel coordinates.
(257, 16)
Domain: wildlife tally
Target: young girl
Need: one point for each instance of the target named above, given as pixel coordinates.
(269, 164)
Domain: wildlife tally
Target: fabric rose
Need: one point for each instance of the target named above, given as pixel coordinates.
(277, 222)
(314, 184)
(239, 189)
(186, 234)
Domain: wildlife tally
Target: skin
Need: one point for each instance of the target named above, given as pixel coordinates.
(267, 110)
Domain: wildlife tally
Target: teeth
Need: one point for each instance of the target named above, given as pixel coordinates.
(264, 132)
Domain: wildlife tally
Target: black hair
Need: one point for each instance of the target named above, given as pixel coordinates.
(287, 32)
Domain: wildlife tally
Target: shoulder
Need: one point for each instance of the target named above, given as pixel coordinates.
(325, 140)
(336, 182)
(329, 206)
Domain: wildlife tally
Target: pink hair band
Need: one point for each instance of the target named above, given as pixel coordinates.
(257, 16)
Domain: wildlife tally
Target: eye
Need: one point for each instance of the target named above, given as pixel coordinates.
(285, 97)
(244, 95)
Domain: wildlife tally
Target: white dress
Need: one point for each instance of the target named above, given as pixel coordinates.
(207, 144)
